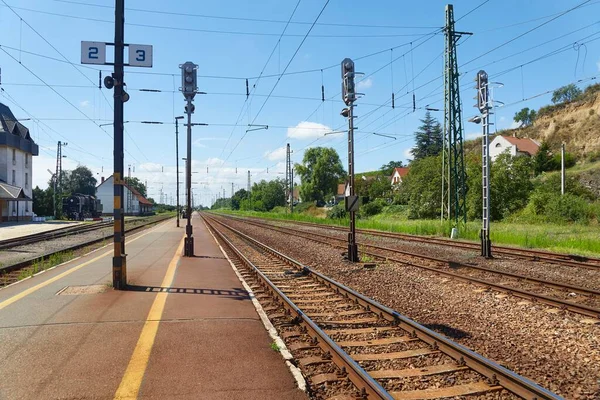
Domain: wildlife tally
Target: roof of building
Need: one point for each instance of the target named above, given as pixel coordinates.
(11, 125)
(524, 145)
(402, 171)
(10, 192)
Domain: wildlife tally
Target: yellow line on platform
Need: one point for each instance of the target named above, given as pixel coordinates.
(132, 379)
(37, 287)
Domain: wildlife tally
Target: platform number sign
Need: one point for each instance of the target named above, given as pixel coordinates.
(140, 55)
(93, 53)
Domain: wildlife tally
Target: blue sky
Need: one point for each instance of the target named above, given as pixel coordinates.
(239, 45)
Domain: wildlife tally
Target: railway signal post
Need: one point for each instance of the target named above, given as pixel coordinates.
(483, 104)
(139, 56)
(189, 88)
(351, 200)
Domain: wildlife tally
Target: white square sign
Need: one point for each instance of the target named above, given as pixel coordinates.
(140, 55)
(93, 52)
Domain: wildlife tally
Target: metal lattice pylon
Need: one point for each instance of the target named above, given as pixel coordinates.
(453, 165)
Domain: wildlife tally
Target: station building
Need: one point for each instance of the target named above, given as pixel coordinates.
(133, 202)
(17, 149)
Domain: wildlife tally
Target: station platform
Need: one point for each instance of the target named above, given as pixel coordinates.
(184, 329)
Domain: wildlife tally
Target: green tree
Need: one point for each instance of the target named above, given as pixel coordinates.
(320, 172)
(511, 184)
(136, 184)
(566, 94)
(543, 160)
(237, 198)
(267, 195)
(43, 201)
(80, 180)
(525, 116)
(388, 169)
(421, 188)
(428, 139)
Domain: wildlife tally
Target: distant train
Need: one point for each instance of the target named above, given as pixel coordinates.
(79, 206)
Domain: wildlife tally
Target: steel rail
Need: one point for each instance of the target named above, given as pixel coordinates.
(493, 371)
(361, 379)
(450, 263)
(572, 260)
(562, 304)
(4, 269)
(50, 235)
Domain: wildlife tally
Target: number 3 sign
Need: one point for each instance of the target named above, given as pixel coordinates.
(140, 55)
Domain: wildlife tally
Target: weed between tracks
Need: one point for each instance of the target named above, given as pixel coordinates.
(275, 347)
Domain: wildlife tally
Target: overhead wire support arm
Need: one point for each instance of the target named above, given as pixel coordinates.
(256, 127)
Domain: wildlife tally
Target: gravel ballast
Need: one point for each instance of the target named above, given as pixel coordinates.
(552, 347)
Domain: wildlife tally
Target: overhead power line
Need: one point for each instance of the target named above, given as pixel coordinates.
(279, 79)
(164, 12)
(215, 31)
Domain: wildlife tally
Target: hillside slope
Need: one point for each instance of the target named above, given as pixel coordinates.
(576, 123)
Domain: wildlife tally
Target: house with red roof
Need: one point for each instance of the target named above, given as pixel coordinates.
(398, 174)
(514, 146)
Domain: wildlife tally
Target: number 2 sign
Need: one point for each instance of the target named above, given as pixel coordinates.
(93, 52)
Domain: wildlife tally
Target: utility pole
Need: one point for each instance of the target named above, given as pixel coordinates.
(453, 165)
(248, 189)
(287, 172)
(292, 202)
(562, 169)
(129, 193)
(177, 163)
(119, 256)
(349, 96)
(189, 88)
(58, 176)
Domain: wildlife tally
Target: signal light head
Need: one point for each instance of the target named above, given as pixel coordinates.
(189, 85)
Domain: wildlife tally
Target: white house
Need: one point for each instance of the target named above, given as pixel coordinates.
(133, 203)
(398, 174)
(515, 146)
(17, 149)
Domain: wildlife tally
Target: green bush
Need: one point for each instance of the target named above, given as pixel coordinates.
(372, 208)
(304, 206)
(337, 212)
(568, 208)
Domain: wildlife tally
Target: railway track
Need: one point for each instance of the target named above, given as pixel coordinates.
(577, 299)
(11, 273)
(337, 336)
(572, 260)
(50, 235)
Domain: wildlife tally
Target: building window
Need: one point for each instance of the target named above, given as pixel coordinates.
(14, 156)
(498, 145)
(26, 206)
(26, 179)
(14, 177)
(26, 160)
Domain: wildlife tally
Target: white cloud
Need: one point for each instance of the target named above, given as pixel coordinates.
(84, 103)
(502, 119)
(472, 135)
(150, 167)
(308, 130)
(277, 154)
(213, 161)
(365, 83)
(407, 153)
